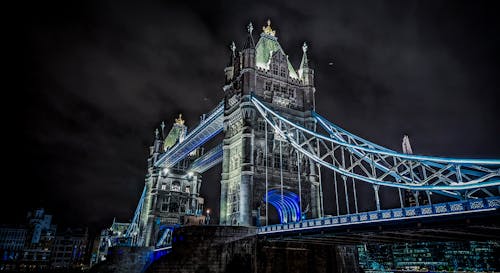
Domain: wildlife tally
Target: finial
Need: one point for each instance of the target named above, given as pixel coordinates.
(156, 132)
(162, 125)
(250, 28)
(268, 30)
(179, 120)
(304, 47)
(232, 47)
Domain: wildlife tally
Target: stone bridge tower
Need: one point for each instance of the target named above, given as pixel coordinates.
(172, 195)
(263, 69)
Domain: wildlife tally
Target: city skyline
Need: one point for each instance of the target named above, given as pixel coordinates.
(96, 81)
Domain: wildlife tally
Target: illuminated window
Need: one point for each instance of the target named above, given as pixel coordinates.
(275, 69)
(284, 91)
(268, 86)
(188, 189)
(261, 125)
(283, 72)
(176, 186)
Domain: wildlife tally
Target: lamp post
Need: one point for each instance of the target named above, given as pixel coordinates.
(208, 216)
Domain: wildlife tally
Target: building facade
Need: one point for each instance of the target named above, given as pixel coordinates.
(12, 240)
(69, 249)
(466, 256)
(257, 165)
(171, 194)
(38, 247)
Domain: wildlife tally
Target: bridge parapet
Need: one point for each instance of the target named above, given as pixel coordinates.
(428, 211)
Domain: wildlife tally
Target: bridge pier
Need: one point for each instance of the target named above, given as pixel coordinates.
(238, 249)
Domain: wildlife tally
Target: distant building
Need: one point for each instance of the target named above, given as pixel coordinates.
(12, 240)
(109, 237)
(69, 249)
(37, 246)
(434, 256)
(40, 239)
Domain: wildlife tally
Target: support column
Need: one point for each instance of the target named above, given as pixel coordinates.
(246, 184)
(377, 199)
(313, 179)
(224, 185)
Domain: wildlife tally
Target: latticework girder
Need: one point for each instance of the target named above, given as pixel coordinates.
(351, 156)
(207, 160)
(206, 130)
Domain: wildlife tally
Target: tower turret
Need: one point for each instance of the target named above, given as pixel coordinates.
(306, 74)
(248, 63)
(229, 70)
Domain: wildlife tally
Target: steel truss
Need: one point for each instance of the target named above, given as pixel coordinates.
(353, 157)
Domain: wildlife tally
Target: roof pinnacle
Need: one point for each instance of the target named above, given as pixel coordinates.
(250, 28)
(179, 120)
(304, 47)
(232, 47)
(268, 30)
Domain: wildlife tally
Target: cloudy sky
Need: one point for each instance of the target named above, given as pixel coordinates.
(89, 81)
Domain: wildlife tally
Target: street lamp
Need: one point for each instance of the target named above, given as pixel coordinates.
(208, 216)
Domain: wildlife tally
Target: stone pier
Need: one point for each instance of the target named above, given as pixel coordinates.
(237, 249)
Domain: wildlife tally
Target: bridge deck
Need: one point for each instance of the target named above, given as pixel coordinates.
(391, 216)
(208, 160)
(206, 130)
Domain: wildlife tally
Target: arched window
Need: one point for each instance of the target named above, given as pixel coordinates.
(176, 186)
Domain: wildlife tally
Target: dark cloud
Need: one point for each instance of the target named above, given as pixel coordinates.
(91, 80)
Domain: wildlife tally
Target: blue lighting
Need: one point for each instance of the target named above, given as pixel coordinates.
(287, 205)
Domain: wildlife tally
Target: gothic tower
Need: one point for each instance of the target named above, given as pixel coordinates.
(172, 195)
(292, 187)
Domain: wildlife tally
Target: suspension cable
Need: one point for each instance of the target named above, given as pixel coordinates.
(335, 183)
(281, 175)
(266, 164)
(298, 177)
(354, 186)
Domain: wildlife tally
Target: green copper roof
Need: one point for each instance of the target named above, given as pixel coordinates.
(265, 46)
(172, 137)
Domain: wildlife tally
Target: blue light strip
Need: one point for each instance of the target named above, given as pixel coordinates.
(135, 221)
(384, 152)
(471, 184)
(288, 208)
(206, 130)
(436, 210)
(208, 160)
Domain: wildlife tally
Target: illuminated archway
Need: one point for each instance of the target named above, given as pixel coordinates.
(288, 207)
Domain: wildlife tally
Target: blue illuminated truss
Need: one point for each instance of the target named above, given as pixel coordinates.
(461, 207)
(353, 157)
(207, 160)
(206, 130)
(133, 229)
(287, 205)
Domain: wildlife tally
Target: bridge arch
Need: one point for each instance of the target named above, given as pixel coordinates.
(287, 205)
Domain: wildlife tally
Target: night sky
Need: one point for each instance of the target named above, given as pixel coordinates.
(89, 81)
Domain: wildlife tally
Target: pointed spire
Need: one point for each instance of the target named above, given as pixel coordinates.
(232, 47)
(268, 30)
(304, 63)
(162, 125)
(157, 133)
(250, 28)
(406, 145)
(249, 42)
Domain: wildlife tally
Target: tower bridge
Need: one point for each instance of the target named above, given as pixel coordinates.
(274, 147)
